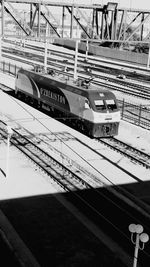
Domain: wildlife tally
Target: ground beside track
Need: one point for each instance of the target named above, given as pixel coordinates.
(51, 231)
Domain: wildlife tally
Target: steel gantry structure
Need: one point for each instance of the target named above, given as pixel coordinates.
(100, 22)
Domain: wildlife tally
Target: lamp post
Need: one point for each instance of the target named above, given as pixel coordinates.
(9, 132)
(140, 237)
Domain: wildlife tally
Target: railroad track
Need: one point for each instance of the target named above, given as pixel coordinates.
(136, 90)
(62, 169)
(62, 175)
(105, 65)
(93, 202)
(128, 151)
(32, 145)
(133, 155)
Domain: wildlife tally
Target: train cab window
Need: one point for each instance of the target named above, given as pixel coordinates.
(111, 104)
(99, 104)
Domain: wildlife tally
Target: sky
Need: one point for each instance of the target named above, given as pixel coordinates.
(139, 4)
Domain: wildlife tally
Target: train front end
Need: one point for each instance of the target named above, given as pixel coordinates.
(106, 114)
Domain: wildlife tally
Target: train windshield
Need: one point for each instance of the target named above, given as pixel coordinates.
(100, 104)
(111, 104)
(105, 104)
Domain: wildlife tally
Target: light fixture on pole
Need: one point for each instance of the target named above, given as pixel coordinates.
(9, 132)
(140, 237)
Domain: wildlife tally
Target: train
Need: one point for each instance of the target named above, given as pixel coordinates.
(90, 108)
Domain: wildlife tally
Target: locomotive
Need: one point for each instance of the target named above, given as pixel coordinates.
(92, 109)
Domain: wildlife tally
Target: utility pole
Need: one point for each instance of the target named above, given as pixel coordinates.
(0, 44)
(45, 54)
(87, 49)
(148, 61)
(76, 61)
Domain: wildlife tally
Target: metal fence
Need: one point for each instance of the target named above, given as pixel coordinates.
(9, 68)
(136, 114)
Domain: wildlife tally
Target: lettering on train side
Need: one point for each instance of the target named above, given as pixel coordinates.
(52, 95)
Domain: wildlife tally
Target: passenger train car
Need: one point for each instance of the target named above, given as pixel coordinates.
(90, 108)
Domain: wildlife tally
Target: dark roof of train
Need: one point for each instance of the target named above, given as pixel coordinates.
(68, 84)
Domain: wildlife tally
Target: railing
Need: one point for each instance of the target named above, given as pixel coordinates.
(136, 114)
(9, 68)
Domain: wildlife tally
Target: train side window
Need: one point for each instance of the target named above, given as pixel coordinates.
(111, 104)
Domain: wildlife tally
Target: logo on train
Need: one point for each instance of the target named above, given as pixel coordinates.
(52, 95)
